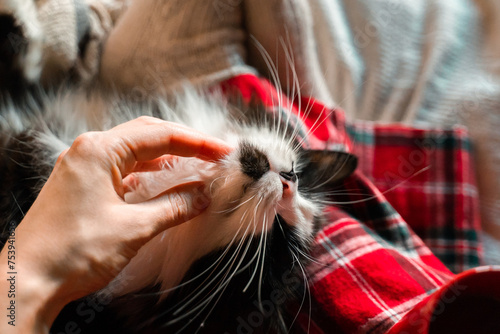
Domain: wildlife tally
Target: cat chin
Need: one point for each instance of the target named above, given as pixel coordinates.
(301, 215)
(240, 208)
(167, 258)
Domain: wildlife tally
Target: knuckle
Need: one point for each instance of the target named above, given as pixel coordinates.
(87, 143)
(61, 156)
(147, 120)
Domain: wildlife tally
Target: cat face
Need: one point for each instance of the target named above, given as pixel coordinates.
(266, 199)
(259, 181)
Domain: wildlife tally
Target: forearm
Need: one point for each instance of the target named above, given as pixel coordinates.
(8, 287)
(29, 303)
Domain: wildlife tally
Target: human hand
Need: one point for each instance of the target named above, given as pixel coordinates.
(80, 233)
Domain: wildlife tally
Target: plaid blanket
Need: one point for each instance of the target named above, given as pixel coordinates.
(405, 224)
(428, 178)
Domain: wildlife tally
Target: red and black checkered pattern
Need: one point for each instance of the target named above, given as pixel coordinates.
(401, 226)
(428, 177)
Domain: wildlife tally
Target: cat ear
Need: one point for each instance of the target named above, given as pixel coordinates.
(321, 169)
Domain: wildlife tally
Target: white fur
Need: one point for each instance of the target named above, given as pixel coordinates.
(173, 252)
(233, 212)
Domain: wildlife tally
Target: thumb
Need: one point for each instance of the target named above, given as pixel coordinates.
(173, 207)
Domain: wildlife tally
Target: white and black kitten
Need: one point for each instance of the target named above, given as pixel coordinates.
(236, 268)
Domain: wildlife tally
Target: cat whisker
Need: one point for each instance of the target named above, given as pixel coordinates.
(340, 191)
(199, 291)
(298, 127)
(306, 256)
(287, 49)
(237, 206)
(271, 66)
(218, 178)
(254, 257)
(316, 125)
(295, 94)
(307, 292)
(257, 252)
(274, 76)
(263, 259)
(330, 193)
(227, 282)
(286, 108)
(318, 186)
(383, 193)
(293, 248)
(221, 286)
(235, 271)
(214, 264)
(249, 242)
(17, 204)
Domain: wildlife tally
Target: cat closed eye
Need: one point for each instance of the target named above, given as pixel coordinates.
(289, 176)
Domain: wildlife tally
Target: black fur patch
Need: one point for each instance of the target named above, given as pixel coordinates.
(22, 175)
(254, 163)
(12, 45)
(231, 310)
(324, 170)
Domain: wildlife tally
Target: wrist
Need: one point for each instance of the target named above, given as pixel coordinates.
(30, 301)
(38, 303)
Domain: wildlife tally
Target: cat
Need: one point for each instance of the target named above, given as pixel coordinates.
(239, 267)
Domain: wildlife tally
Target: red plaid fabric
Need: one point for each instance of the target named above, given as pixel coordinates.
(428, 177)
(373, 273)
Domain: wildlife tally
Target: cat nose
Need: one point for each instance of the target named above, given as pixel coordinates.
(287, 188)
(288, 181)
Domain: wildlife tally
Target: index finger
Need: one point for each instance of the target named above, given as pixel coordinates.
(148, 138)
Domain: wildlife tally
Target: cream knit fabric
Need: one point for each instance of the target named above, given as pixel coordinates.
(424, 63)
(59, 38)
(74, 32)
(59, 25)
(157, 45)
